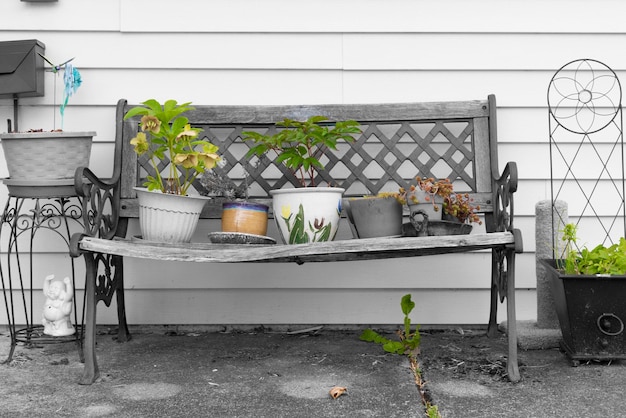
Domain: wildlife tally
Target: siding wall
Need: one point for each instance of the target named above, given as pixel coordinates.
(339, 51)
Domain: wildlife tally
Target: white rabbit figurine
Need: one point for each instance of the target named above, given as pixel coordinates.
(58, 306)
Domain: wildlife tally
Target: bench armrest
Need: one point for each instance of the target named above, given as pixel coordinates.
(503, 207)
(100, 203)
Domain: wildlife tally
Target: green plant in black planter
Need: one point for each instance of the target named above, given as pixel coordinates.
(600, 260)
(588, 288)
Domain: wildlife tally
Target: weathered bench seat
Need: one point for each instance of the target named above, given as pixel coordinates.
(456, 140)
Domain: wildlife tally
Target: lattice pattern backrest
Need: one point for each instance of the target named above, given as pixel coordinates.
(385, 156)
(398, 143)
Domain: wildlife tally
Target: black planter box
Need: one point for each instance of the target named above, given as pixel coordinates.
(591, 312)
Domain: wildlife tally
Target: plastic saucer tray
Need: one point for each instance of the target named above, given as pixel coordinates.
(239, 238)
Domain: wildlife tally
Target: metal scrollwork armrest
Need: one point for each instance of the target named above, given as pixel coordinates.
(100, 203)
(505, 186)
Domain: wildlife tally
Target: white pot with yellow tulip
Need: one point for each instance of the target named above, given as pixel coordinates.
(307, 213)
(168, 212)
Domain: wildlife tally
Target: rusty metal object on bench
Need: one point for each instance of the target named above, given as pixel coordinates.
(456, 140)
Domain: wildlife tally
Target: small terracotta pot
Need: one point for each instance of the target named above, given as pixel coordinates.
(244, 217)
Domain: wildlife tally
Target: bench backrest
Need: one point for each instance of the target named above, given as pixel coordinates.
(455, 140)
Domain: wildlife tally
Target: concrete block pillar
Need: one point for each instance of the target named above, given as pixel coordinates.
(545, 226)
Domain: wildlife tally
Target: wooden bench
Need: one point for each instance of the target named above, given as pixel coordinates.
(456, 140)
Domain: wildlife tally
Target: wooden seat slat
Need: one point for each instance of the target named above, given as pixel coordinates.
(341, 250)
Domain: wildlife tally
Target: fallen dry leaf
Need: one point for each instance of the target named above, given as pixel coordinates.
(337, 391)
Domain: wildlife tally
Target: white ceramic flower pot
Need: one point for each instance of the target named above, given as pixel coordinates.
(41, 156)
(308, 214)
(166, 217)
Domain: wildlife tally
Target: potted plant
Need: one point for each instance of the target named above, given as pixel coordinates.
(37, 156)
(459, 207)
(308, 213)
(588, 287)
(239, 215)
(378, 215)
(435, 209)
(168, 212)
(428, 195)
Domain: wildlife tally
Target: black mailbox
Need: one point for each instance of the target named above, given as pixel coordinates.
(21, 68)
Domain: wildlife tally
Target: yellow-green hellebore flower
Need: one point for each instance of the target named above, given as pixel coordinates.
(151, 124)
(186, 160)
(140, 142)
(210, 160)
(187, 133)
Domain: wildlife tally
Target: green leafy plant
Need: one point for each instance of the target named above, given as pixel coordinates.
(600, 260)
(170, 134)
(432, 411)
(408, 343)
(299, 145)
(408, 340)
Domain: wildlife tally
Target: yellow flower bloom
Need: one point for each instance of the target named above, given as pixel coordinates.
(210, 160)
(140, 142)
(186, 160)
(187, 133)
(172, 139)
(285, 211)
(150, 124)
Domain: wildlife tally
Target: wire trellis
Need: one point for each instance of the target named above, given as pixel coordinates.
(587, 151)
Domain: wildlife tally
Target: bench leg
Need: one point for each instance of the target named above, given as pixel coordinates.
(512, 365)
(90, 371)
(503, 283)
(123, 334)
(97, 289)
(492, 327)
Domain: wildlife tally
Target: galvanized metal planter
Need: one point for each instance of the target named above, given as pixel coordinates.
(44, 156)
(373, 216)
(591, 312)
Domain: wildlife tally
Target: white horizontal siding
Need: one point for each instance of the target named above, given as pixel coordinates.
(371, 16)
(398, 16)
(67, 16)
(294, 306)
(416, 273)
(359, 51)
(271, 86)
(285, 52)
